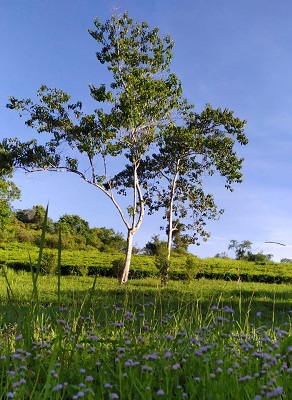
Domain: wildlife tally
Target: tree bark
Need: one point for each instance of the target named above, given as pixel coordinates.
(126, 270)
(164, 277)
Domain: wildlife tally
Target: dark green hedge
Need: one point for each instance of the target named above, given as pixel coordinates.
(138, 273)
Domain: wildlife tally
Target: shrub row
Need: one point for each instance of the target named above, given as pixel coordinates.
(138, 273)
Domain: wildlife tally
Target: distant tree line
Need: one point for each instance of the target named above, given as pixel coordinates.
(243, 251)
(25, 226)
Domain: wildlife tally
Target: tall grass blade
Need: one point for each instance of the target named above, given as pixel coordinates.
(59, 268)
(10, 293)
(42, 243)
(35, 304)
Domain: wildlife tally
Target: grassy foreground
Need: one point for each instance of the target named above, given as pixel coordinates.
(75, 337)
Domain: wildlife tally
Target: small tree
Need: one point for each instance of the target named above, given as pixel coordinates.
(73, 224)
(8, 192)
(155, 246)
(223, 255)
(203, 145)
(241, 249)
(144, 96)
(259, 258)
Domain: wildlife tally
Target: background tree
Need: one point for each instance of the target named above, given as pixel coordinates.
(155, 246)
(144, 95)
(241, 249)
(8, 192)
(73, 224)
(106, 240)
(259, 258)
(34, 218)
(223, 255)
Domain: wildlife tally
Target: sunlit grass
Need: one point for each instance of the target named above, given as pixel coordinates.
(82, 337)
(145, 342)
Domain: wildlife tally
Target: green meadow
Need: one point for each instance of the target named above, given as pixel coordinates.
(219, 329)
(79, 336)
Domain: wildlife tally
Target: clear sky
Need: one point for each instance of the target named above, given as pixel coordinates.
(230, 53)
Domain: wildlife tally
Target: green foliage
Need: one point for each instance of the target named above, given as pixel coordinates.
(8, 193)
(243, 252)
(117, 267)
(241, 249)
(72, 224)
(76, 234)
(15, 255)
(83, 270)
(259, 258)
(49, 263)
(162, 263)
(105, 239)
(23, 235)
(191, 267)
(180, 241)
(167, 329)
(155, 246)
(221, 255)
(34, 218)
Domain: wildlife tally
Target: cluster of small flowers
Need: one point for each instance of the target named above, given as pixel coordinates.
(125, 346)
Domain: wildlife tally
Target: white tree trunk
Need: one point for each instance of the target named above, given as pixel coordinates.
(126, 270)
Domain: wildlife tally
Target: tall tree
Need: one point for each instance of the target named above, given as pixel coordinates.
(203, 145)
(144, 96)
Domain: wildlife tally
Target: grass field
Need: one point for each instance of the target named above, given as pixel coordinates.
(71, 337)
(76, 337)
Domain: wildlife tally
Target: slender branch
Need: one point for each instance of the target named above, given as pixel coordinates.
(92, 168)
(91, 182)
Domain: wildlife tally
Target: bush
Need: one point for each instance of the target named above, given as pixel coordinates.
(162, 264)
(24, 236)
(48, 264)
(190, 268)
(117, 267)
(51, 241)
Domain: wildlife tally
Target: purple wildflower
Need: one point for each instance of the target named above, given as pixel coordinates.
(275, 393)
(168, 354)
(57, 387)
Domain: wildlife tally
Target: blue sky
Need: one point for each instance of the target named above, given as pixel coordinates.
(229, 53)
